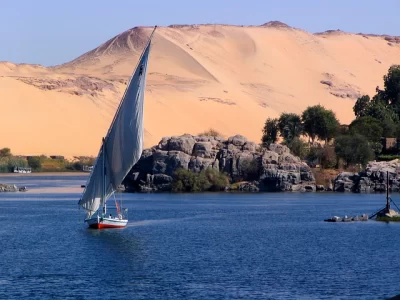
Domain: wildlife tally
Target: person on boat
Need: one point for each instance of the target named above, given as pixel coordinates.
(110, 216)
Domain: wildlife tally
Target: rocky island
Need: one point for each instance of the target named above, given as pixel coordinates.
(248, 166)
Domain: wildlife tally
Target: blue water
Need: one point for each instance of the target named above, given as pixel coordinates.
(203, 246)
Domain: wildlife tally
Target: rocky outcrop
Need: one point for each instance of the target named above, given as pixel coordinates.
(372, 179)
(272, 169)
(8, 188)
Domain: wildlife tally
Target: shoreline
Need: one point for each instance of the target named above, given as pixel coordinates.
(42, 174)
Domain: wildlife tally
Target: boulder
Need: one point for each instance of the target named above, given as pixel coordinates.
(182, 143)
(203, 149)
(237, 140)
(250, 146)
(278, 148)
(250, 187)
(198, 164)
(270, 157)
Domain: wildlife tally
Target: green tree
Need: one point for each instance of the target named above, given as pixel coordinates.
(270, 132)
(290, 126)
(330, 126)
(360, 108)
(319, 122)
(353, 149)
(378, 109)
(34, 162)
(371, 129)
(5, 152)
(392, 86)
(368, 127)
(311, 118)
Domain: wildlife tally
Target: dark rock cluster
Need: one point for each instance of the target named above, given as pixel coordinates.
(273, 168)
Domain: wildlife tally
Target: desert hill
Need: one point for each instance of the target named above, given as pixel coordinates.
(230, 78)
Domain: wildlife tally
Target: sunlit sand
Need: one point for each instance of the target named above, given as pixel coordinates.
(230, 78)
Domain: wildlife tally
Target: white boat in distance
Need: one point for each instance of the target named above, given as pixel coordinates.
(121, 149)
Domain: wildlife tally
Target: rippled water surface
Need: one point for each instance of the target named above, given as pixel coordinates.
(203, 246)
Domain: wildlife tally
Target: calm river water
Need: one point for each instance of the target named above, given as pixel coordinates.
(195, 246)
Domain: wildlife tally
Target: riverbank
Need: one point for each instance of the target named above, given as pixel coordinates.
(43, 174)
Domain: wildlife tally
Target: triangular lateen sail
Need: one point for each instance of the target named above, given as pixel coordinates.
(123, 144)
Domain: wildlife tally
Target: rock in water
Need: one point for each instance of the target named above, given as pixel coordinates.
(270, 169)
(8, 188)
(372, 179)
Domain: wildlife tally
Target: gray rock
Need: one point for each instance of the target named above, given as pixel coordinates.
(250, 146)
(163, 145)
(372, 179)
(308, 188)
(198, 164)
(278, 148)
(274, 169)
(237, 140)
(182, 143)
(270, 157)
(177, 160)
(288, 158)
(8, 188)
(203, 149)
(249, 187)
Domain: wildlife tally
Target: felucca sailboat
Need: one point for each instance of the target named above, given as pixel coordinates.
(121, 148)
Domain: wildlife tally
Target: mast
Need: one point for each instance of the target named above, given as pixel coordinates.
(103, 191)
(387, 192)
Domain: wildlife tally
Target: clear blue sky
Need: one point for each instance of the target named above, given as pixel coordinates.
(51, 32)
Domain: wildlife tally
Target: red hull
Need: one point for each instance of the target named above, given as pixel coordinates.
(101, 226)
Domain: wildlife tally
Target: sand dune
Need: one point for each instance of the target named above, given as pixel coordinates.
(230, 78)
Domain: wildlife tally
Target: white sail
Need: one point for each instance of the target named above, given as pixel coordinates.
(123, 144)
(93, 191)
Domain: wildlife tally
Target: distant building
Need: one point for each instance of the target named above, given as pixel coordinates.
(390, 143)
(56, 157)
(87, 168)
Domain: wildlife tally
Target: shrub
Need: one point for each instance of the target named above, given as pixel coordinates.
(388, 157)
(206, 180)
(35, 163)
(298, 148)
(328, 157)
(211, 132)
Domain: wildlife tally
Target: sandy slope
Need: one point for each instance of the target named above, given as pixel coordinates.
(226, 77)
